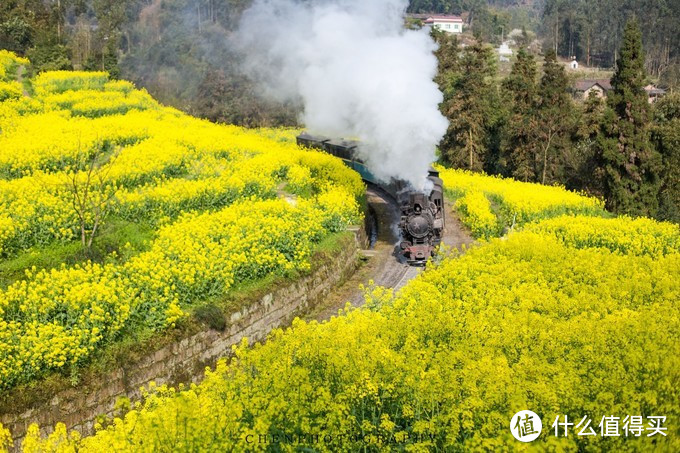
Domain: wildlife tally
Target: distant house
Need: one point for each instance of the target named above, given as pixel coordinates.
(573, 64)
(583, 88)
(449, 24)
(654, 93)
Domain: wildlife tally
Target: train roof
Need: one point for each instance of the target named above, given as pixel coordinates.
(316, 138)
(331, 141)
(343, 143)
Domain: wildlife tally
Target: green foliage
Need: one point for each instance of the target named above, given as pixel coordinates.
(103, 62)
(488, 24)
(539, 129)
(181, 54)
(49, 58)
(666, 138)
(120, 237)
(226, 96)
(212, 315)
(470, 103)
(555, 120)
(436, 6)
(521, 91)
(630, 165)
(578, 170)
(591, 30)
(15, 34)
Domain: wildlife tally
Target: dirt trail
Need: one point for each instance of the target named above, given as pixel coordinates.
(20, 78)
(385, 264)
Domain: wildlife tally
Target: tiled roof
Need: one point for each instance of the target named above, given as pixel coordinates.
(585, 85)
(443, 18)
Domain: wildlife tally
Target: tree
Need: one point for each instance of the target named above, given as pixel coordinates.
(49, 57)
(580, 171)
(16, 34)
(523, 40)
(519, 134)
(591, 120)
(91, 194)
(630, 164)
(488, 24)
(470, 101)
(554, 121)
(591, 31)
(666, 138)
(448, 59)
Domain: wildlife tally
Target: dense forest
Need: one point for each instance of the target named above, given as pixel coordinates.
(522, 124)
(592, 31)
(528, 126)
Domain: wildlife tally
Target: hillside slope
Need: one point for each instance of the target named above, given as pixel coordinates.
(119, 216)
(571, 313)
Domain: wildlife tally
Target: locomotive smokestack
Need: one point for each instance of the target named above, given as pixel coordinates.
(357, 72)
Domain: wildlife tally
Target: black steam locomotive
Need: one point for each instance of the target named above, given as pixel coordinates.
(422, 216)
(422, 220)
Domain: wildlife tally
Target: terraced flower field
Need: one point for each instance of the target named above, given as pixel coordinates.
(574, 315)
(571, 312)
(210, 197)
(491, 205)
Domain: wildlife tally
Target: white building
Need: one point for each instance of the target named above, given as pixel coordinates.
(505, 52)
(449, 24)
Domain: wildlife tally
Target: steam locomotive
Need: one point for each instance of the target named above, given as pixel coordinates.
(422, 216)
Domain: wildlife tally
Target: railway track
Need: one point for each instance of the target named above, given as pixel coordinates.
(385, 264)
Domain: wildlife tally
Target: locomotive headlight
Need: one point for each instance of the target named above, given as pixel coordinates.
(418, 226)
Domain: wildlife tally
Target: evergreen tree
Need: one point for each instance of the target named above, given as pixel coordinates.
(554, 121)
(666, 137)
(591, 120)
(629, 163)
(518, 143)
(580, 171)
(469, 105)
(448, 61)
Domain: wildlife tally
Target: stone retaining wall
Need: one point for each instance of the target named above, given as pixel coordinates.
(185, 361)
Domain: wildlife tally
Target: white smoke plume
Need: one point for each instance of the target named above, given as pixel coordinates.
(357, 72)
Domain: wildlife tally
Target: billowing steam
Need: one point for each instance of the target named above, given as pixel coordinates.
(357, 72)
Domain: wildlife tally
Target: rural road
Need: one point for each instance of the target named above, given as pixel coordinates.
(385, 265)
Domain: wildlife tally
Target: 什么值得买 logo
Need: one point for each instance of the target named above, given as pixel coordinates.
(526, 426)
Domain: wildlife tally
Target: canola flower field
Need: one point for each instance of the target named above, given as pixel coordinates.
(492, 205)
(571, 312)
(574, 315)
(213, 194)
(10, 88)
